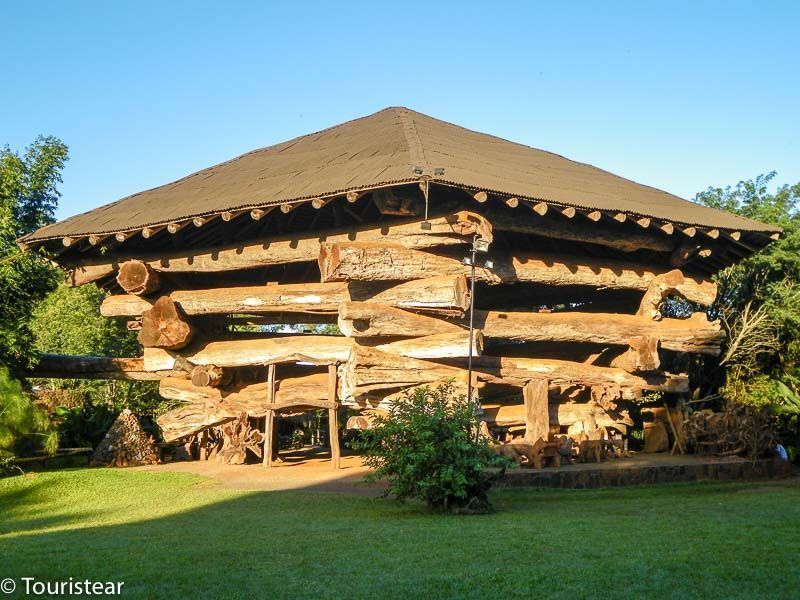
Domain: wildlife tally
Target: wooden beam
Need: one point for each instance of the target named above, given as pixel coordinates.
(314, 349)
(448, 230)
(174, 228)
(64, 366)
(512, 202)
(537, 417)
(480, 197)
(369, 371)
(696, 334)
(448, 293)
(540, 208)
(138, 278)
(149, 232)
(388, 262)
(333, 418)
(269, 421)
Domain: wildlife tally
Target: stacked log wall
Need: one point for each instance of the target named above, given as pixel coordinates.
(400, 296)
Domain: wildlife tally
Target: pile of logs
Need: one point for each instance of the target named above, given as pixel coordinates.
(399, 294)
(733, 431)
(125, 444)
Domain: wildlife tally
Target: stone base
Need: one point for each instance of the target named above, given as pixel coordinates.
(645, 469)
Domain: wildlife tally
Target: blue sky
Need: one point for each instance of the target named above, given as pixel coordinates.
(676, 95)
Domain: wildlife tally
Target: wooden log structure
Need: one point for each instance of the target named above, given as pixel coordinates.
(695, 334)
(372, 261)
(447, 230)
(298, 298)
(369, 370)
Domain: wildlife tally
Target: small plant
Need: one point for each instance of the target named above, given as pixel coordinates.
(427, 447)
(8, 467)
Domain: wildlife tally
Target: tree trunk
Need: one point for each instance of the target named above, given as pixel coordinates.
(537, 419)
(437, 346)
(448, 293)
(373, 261)
(210, 376)
(163, 326)
(138, 278)
(65, 366)
(696, 334)
(455, 229)
(315, 349)
(371, 319)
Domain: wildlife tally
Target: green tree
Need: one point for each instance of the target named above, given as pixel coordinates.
(68, 321)
(28, 198)
(24, 427)
(759, 303)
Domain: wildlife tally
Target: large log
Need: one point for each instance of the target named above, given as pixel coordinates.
(447, 293)
(163, 326)
(368, 371)
(537, 419)
(314, 349)
(437, 346)
(446, 230)
(696, 334)
(560, 414)
(373, 261)
(138, 278)
(563, 373)
(372, 319)
(209, 407)
(65, 366)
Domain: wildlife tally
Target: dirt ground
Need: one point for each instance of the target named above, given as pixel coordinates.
(309, 471)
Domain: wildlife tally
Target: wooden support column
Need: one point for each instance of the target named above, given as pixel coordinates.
(269, 424)
(333, 419)
(537, 414)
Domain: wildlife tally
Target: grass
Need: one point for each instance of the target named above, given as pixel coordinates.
(170, 535)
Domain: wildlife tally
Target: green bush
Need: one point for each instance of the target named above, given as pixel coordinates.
(24, 428)
(427, 448)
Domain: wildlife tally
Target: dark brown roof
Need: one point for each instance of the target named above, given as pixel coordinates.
(393, 146)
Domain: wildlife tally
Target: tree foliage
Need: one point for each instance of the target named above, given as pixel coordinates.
(28, 198)
(759, 304)
(24, 427)
(68, 321)
(427, 448)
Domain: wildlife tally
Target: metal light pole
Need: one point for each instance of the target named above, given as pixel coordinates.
(478, 245)
(471, 259)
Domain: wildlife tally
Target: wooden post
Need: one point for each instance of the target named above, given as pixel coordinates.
(333, 419)
(537, 416)
(203, 444)
(269, 425)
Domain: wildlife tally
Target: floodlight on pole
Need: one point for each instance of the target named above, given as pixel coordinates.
(482, 246)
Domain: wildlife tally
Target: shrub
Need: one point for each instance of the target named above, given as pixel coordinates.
(24, 428)
(426, 447)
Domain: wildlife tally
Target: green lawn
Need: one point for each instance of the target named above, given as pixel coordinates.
(171, 535)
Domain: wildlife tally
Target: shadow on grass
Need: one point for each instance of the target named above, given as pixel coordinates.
(169, 535)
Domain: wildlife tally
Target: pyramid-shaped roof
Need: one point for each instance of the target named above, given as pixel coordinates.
(391, 147)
